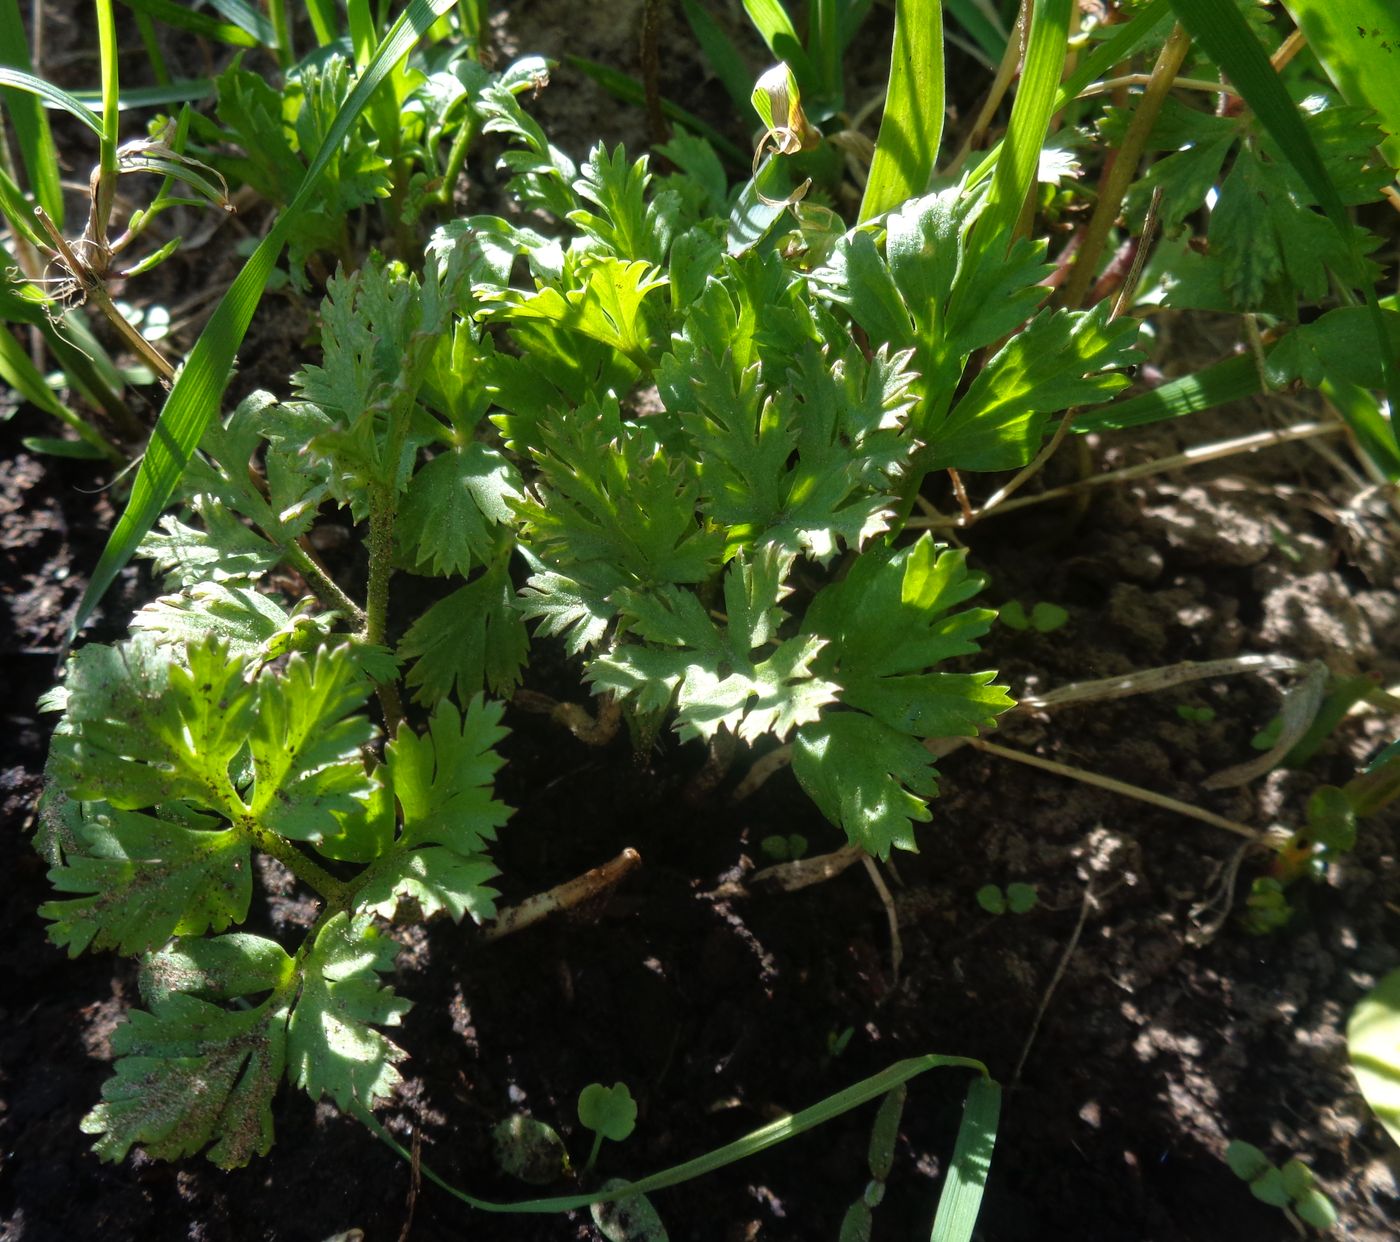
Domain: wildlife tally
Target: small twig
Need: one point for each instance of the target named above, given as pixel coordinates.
(91, 285)
(562, 896)
(1123, 169)
(1197, 456)
(1119, 787)
(589, 730)
(1006, 73)
(788, 877)
(1204, 930)
(1153, 679)
(760, 771)
(1109, 85)
(1061, 967)
(872, 869)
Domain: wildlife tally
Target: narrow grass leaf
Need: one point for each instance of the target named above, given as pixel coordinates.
(28, 120)
(961, 1199)
(1358, 44)
(1232, 379)
(51, 96)
(1036, 102)
(1226, 37)
(20, 373)
(183, 90)
(771, 20)
(825, 46)
(629, 90)
(248, 19)
(725, 59)
(325, 21)
(194, 400)
(911, 128)
(194, 22)
(982, 24)
(751, 1144)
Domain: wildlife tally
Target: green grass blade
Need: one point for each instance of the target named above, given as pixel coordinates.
(324, 20)
(28, 120)
(1222, 31)
(771, 21)
(961, 1199)
(1036, 102)
(911, 128)
(733, 72)
(1363, 414)
(17, 210)
(23, 376)
(182, 90)
(205, 25)
(1358, 44)
(1124, 41)
(983, 25)
(248, 19)
(51, 96)
(629, 90)
(194, 400)
(1232, 379)
(751, 1144)
(825, 46)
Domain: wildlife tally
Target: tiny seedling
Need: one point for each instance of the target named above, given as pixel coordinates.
(1195, 715)
(1015, 898)
(1290, 1188)
(610, 1112)
(838, 1041)
(1044, 618)
(784, 848)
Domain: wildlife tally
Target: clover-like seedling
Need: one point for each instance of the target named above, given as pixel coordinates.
(610, 1112)
(784, 848)
(1017, 898)
(1195, 715)
(1044, 618)
(1291, 1188)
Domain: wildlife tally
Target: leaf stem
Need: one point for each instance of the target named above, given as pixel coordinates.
(383, 507)
(1124, 168)
(332, 891)
(1191, 457)
(322, 583)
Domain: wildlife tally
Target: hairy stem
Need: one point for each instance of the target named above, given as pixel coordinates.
(382, 511)
(322, 583)
(332, 891)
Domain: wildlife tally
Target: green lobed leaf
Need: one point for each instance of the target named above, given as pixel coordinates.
(609, 1111)
(141, 729)
(189, 1071)
(333, 1046)
(866, 778)
(473, 638)
(145, 878)
(442, 781)
(1061, 359)
(305, 747)
(449, 518)
(1356, 44)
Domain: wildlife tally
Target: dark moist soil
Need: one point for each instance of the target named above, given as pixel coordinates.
(1153, 1050)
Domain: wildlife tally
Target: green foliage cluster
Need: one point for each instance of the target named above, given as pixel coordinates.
(677, 430)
